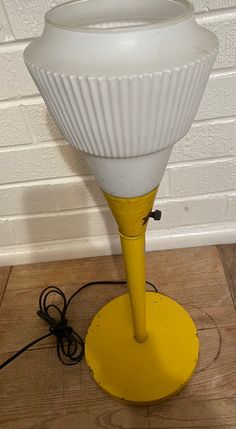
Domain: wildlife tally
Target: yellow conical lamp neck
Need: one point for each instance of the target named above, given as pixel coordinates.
(132, 215)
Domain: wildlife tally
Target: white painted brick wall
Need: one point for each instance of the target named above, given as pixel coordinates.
(231, 206)
(40, 162)
(223, 24)
(5, 28)
(47, 193)
(202, 177)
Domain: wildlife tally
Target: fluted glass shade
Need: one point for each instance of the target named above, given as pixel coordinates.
(123, 80)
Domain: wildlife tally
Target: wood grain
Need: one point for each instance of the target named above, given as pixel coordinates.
(194, 277)
(193, 413)
(37, 392)
(228, 256)
(4, 274)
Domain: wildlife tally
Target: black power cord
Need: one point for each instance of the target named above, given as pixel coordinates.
(70, 345)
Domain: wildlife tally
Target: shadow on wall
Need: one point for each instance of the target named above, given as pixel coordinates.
(68, 207)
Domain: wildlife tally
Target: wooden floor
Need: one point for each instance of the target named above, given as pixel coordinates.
(37, 392)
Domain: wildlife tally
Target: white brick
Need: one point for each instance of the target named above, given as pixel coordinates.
(33, 163)
(208, 5)
(13, 128)
(56, 195)
(6, 233)
(52, 196)
(207, 140)
(224, 26)
(40, 122)
(231, 207)
(76, 194)
(15, 80)
(26, 199)
(65, 225)
(5, 30)
(201, 210)
(202, 178)
(27, 17)
(26, 123)
(219, 97)
(93, 222)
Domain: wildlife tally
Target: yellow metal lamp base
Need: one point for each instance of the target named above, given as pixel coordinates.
(148, 372)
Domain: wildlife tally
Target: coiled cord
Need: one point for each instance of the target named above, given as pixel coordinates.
(70, 345)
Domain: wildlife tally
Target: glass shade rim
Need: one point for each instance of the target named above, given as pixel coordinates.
(51, 20)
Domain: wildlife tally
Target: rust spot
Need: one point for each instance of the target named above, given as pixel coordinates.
(91, 371)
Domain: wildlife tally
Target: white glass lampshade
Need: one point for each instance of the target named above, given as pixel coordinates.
(123, 80)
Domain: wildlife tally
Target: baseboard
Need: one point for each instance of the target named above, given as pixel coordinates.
(200, 235)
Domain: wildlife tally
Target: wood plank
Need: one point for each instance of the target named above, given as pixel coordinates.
(193, 413)
(194, 277)
(20, 324)
(38, 392)
(228, 257)
(74, 272)
(4, 274)
(216, 372)
(26, 283)
(203, 291)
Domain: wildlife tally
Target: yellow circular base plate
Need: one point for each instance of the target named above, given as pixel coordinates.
(142, 373)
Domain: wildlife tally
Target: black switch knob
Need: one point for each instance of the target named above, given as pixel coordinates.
(156, 215)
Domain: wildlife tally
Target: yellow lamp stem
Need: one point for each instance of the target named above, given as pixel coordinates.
(131, 215)
(133, 254)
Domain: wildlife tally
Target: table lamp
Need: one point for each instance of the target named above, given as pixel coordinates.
(123, 80)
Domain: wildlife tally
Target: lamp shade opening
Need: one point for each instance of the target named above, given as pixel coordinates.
(114, 15)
